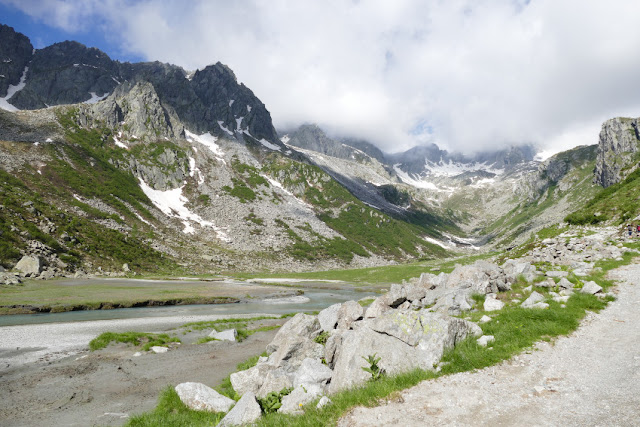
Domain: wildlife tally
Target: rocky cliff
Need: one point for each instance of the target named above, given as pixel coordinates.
(618, 150)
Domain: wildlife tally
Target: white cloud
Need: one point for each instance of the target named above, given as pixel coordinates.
(467, 75)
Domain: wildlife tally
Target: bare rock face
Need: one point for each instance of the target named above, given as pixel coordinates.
(30, 265)
(618, 149)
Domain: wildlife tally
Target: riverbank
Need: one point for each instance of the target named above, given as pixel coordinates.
(62, 295)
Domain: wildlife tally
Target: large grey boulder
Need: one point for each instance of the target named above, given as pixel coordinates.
(312, 371)
(249, 380)
(397, 295)
(9, 279)
(246, 411)
(200, 397)
(349, 312)
(301, 325)
(377, 307)
(403, 340)
(30, 265)
(328, 317)
(274, 380)
(226, 335)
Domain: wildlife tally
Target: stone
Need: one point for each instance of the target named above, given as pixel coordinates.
(125, 267)
(324, 401)
(415, 293)
(312, 371)
(331, 346)
(249, 380)
(328, 317)
(200, 397)
(560, 299)
(484, 340)
(349, 312)
(377, 307)
(485, 319)
(565, 292)
(528, 288)
(137, 354)
(397, 295)
(301, 326)
(557, 273)
(274, 380)
(226, 335)
(539, 306)
(159, 349)
(591, 288)
(300, 396)
(565, 284)
(246, 411)
(549, 283)
(9, 279)
(492, 304)
(534, 298)
(30, 265)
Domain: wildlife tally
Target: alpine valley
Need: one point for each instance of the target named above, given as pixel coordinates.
(110, 167)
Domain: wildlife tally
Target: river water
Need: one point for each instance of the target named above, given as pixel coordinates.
(314, 299)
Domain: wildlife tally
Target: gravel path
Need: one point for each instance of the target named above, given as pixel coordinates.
(591, 378)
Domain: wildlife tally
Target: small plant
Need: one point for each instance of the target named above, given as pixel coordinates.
(322, 338)
(273, 401)
(376, 371)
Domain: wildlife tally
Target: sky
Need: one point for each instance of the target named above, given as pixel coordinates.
(468, 75)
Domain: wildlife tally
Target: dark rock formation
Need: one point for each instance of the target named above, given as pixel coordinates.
(15, 54)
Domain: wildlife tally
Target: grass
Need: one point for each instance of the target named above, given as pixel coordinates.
(61, 295)
(145, 339)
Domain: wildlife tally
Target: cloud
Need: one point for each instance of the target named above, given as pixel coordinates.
(467, 75)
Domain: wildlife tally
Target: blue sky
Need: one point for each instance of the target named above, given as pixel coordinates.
(468, 75)
(43, 35)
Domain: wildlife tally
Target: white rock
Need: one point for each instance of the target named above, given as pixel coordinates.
(246, 411)
(534, 298)
(300, 396)
(137, 354)
(159, 349)
(312, 371)
(484, 319)
(30, 265)
(528, 288)
(328, 317)
(324, 401)
(200, 397)
(562, 300)
(226, 335)
(540, 306)
(485, 339)
(557, 273)
(349, 312)
(591, 288)
(492, 304)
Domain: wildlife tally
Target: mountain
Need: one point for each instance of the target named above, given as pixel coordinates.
(106, 163)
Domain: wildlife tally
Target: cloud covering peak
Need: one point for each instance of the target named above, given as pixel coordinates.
(468, 75)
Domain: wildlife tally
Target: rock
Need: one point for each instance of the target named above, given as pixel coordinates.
(538, 390)
(492, 304)
(159, 349)
(324, 401)
(534, 298)
(484, 319)
(9, 279)
(377, 307)
(274, 380)
(396, 295)
(402, 340)
(328, 317)
(137, 354)
(48, 274)
(557, 273)
(549, 283)
(349, 312)
(528, 288)
(299, 326)
(300, 396)
(249, 380)
(246, 411)
(540, 306)
(485, 339)
(226, 335)
(591, 288)
(312, 371)
(560, 299)
(333, 343)
(565, 284)
(30, 265)
(125, 267)
(415, 293)
(200, 397)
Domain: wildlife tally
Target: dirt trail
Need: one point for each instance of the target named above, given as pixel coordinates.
(591, 378)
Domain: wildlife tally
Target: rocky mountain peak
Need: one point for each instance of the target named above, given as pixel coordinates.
(15, 54)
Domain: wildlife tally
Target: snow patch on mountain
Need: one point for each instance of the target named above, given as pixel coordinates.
(95, 98)
(12, 90)
(451, 168)
(172, 203)
(269, 145)
(208, 141)
(224, 128)
(418, 183)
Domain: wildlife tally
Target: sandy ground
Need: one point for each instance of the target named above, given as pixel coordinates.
(591, 378)
(48, 377)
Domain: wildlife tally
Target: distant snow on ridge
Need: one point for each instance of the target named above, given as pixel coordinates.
(450, 169)
(418, 183)
(208, 141)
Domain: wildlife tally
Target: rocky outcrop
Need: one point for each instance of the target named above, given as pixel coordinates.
(618, 149)
(15, 54)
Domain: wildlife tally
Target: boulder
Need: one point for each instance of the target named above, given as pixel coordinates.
(328, 317)
(249, 380)
(312, 371)
(565, 284)
(200, 397)
(331, 346)
(274, 380)
(484, 340)
(301, 325)
(377, 307)
(30, 265)
(324, 401)
(402, 340)
(9, 279)
(534, 298)
(159, 349)
(557, 273)
(349, 312)
(397, 295)
(246, 411)
(415, 293)
(484, 319)
(492, 304)
(591, 288)
(226, 335)
(301, 395)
